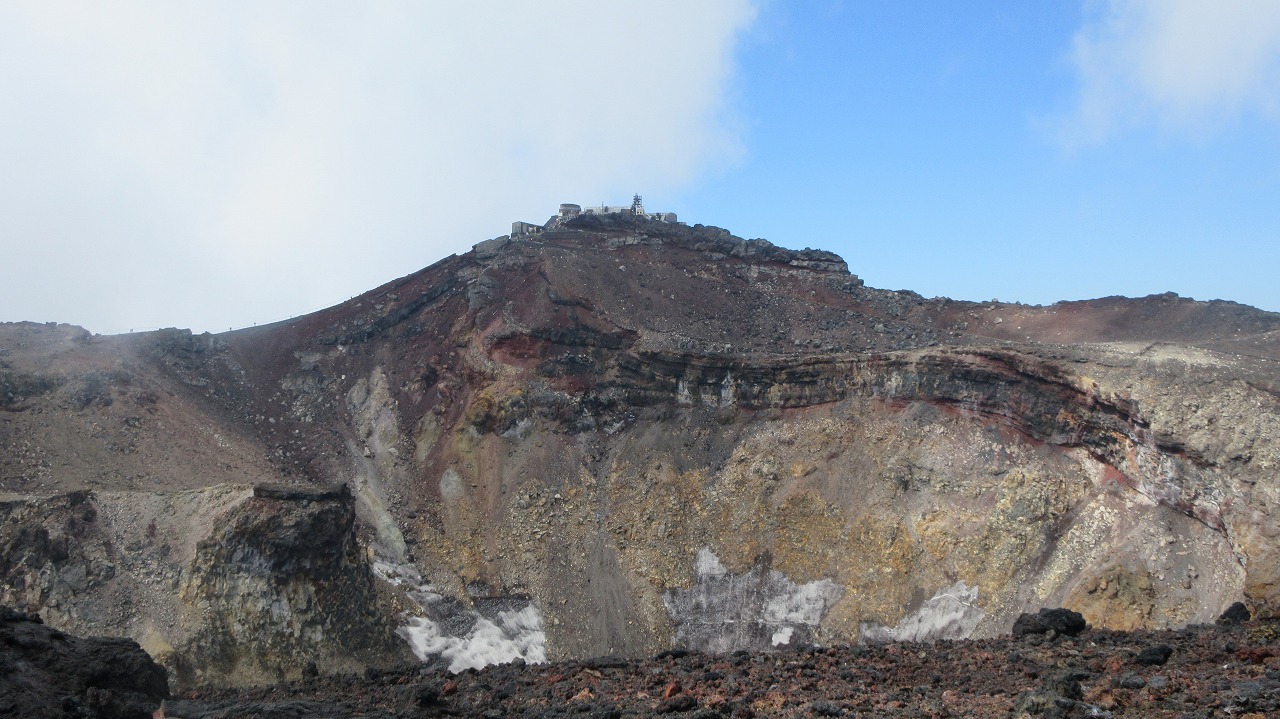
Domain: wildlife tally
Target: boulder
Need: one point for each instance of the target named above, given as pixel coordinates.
(1154, 656)
(1060, 621)
(47, 673)
(1237, 613)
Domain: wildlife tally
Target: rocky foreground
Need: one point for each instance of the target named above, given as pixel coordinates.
(1052, 666)
(48, 673)
(1201, 671)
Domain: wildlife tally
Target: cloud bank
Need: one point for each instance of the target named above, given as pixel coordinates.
(1185, 66)
(216, 164)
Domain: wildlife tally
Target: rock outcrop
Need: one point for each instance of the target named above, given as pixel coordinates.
(47, 673)
(557, 431)
(231, 583)
(281, 584)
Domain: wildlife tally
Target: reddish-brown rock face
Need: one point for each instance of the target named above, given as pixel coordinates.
(549, 441)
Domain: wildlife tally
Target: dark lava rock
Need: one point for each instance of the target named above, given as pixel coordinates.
(290, 709)
(1027, 624)
(677, 653)
(1131, 681)
(1237, 613)
(826, 708)
(1059, 695)
(427, 695)
(678, 703)
(1065, 684)
(46, 673)
(1258, 697)
(301, 494)
(1060, 621)
(996, 677)
(607, 662)
(1154, 656)
(1063, 621)
(1033, 703)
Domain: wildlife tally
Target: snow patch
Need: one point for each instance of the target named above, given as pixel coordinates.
(499, 630)
(782, 636)
(708, 564)
(684, 398)
(512, 635)
(758, 609)
(949, 614)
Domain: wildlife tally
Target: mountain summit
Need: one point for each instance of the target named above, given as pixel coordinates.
(620, 435)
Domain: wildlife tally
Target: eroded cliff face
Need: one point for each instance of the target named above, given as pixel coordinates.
(622, 436)
(227, 584)
(281, 584)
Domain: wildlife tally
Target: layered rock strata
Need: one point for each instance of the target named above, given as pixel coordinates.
(575, 422)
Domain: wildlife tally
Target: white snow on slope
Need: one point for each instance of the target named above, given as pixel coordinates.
(949, 614)
(466, 638)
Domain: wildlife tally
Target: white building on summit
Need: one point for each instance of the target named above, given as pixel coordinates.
(568, 211)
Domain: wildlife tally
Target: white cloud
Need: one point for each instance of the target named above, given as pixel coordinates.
(1183, 65)
(212, 164)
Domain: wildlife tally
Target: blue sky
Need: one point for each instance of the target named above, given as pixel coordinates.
(219, 164)
(933, 148)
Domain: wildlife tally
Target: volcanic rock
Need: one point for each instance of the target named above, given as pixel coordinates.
(1235, 614)
(282, 584)
(618, 437)
(1000, 677)
(1154, 656)
(1060, 621)
(47, 673)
